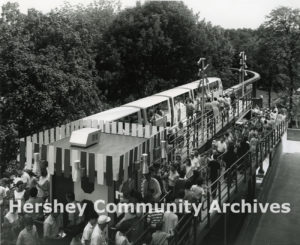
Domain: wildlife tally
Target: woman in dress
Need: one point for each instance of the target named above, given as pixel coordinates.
(43, 185)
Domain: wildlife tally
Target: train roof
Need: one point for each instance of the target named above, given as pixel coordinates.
(173, 92)
(192, 85)
(195, 84)
(113, 114)
(211, 79)
(146, 102)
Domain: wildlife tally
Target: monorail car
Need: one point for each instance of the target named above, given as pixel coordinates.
(167, 105)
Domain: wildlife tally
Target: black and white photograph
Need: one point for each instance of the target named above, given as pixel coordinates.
(149, 122)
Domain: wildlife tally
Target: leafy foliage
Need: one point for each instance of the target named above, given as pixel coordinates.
(76, 60)
(154, 47)
(47, 73)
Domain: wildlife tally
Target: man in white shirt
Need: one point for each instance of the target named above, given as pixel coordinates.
(170, 220)
(98, 235)
(194, 160)
(88, 229)
(52, 226)
(221, 146)
(198, 190)
(151, 190)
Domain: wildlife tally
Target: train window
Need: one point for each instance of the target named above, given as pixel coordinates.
(157, 112)
(214, 86)
(182, 98)
(133, 118)
(164, 107)
(196, 93)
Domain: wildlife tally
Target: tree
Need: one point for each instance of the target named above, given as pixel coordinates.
(47, 72)
(155, 47)
(280, 41)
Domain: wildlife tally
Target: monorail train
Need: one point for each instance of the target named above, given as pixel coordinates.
(163, 107)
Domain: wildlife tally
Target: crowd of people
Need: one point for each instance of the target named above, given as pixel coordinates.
(186, 178)
(22, 187)
(191, 179)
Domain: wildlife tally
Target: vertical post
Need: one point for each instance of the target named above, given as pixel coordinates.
(256, 156)
(197, 132)
(219, 194)
(188, 138)
(242, 71)
(225, 228)
(238, 106)
(202, 75)
(236, 178)
(228, 187)
(195, 229)
(194, 132)
(260, 161)
(208, 208)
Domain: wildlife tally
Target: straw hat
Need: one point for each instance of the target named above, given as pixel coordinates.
(103, 219)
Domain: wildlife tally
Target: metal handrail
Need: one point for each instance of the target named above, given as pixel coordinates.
(279, 129)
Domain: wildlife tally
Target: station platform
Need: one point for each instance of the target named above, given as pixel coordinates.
(282, 187)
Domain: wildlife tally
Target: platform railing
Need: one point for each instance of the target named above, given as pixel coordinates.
(228, 183)
(222, 190)
(191, 136)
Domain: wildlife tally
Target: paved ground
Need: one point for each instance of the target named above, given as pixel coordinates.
(278, 229)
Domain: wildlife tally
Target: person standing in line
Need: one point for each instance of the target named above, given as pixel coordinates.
(172, 177)
(221, 145)
(198, 190)
(204, 167)
(43, 184)
(229, 158)
(24, 177)
(197, 158)
(98, 236)
(216, 110)
(88, 229)
(121, 237)
(151, 190)
(215, 168)
(209, 114)
(190, 108)
(73, 218)
(194, 161)
(170, 220)
(159, 237)
(233, 103)
(222, 106)
(180, 133)
(35, 201)
(52, 228)
(189, 169)
(19, 192)
(29, 235)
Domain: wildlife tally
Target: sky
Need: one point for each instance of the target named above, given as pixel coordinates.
(226, 13)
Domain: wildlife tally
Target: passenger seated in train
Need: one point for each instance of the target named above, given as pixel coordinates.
(154, 115)
(158, 111)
